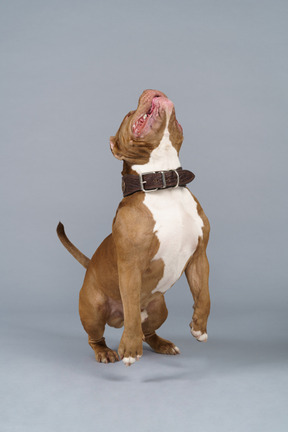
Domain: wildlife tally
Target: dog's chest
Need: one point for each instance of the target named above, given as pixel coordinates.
(178, 227)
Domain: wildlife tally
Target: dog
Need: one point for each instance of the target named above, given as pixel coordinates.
(159, 231)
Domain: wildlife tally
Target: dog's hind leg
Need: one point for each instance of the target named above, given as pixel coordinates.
(153, 316)
(93, 310)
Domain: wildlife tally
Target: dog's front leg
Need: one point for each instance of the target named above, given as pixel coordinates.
(130, 348)
(197, 273)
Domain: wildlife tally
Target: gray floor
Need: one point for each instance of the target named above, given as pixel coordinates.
(50, 381)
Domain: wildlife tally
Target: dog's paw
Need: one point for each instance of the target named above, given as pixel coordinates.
(130, 349)
(201, 337)
(103, 354)
(128, 361)
(162, 346)
(106, 355)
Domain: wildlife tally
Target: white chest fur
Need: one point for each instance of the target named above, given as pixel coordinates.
(178, 228)
(178, 225)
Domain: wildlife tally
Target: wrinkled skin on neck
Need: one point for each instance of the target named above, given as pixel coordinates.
(142, 130)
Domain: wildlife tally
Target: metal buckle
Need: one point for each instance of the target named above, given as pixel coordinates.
(178, 179)
(153, 172)
(163, 179)
(144, 181)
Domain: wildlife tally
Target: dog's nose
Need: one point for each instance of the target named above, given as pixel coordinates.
(152, 93)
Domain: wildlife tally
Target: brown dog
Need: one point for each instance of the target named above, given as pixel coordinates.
(159, 231)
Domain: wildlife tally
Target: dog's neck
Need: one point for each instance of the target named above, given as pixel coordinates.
(163, 158)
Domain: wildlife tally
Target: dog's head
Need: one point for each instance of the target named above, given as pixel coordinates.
(142, 130)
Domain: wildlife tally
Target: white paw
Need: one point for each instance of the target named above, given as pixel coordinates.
(128, 361)
(201, 337)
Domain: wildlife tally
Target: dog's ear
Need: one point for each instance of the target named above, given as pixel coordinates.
(115, 148)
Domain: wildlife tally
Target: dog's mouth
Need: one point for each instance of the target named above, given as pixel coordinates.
(144, 123)
(146, 119)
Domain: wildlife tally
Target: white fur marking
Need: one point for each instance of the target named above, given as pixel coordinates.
(196, 333)
(164, 157)
(178, 228)
(128, 361)
(144, 315)
(201, 337)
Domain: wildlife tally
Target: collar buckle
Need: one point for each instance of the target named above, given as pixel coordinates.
(142, 182)
(178, 179)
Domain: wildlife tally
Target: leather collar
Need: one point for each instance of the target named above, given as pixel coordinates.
(156, 180)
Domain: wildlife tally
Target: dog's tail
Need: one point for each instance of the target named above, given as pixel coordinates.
(80, 257)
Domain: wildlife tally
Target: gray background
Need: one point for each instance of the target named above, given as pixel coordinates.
(70, 70)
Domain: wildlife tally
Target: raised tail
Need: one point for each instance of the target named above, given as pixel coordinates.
(80, 257)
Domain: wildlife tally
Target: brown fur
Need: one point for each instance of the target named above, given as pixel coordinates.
(121, 275)
(79, 256)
